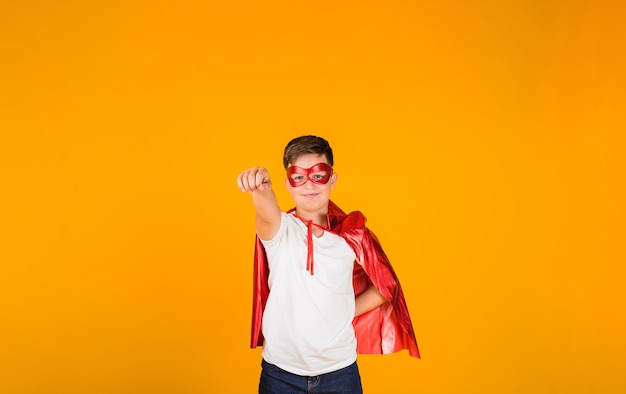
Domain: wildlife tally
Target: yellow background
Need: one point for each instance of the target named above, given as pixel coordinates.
(483, 140)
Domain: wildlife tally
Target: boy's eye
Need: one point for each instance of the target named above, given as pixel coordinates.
(318, 176)
(297, 178)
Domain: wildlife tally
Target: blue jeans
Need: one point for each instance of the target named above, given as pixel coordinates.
(278, 381)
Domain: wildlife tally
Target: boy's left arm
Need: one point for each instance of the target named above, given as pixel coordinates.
(368, 300)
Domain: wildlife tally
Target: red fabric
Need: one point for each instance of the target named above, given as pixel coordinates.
(385, 329)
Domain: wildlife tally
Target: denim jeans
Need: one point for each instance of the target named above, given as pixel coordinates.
(277, 381)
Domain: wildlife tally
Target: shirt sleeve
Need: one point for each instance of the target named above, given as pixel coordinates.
(270, 243)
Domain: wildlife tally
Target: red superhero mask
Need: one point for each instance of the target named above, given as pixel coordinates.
(319, 173)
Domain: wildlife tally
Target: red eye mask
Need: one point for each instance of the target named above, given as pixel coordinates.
(319, 173)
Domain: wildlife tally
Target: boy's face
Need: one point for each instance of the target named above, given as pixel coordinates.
(311, 196)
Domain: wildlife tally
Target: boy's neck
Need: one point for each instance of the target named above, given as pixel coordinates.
(319, 218)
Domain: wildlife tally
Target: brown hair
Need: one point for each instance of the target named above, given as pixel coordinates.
(307, 144)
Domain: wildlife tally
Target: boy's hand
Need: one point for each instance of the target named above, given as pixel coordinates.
(255, 178)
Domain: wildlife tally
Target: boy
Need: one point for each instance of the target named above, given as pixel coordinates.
(306, 280)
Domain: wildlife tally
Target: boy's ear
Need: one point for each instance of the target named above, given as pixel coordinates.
(333, 179)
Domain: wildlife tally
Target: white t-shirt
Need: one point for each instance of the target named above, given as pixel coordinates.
(307, 322)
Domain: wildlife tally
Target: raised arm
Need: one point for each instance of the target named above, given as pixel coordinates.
(256, 181)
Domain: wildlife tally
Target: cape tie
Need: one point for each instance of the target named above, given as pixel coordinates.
(309, 246)
(309, 241)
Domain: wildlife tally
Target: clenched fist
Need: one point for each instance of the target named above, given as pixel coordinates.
(255, 178)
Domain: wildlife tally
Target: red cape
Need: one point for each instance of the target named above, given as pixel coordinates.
(385, 329)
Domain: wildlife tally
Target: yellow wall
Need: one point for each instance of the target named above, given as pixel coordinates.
(484, 141)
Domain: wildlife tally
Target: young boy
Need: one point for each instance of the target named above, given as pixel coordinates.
(310, 262)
